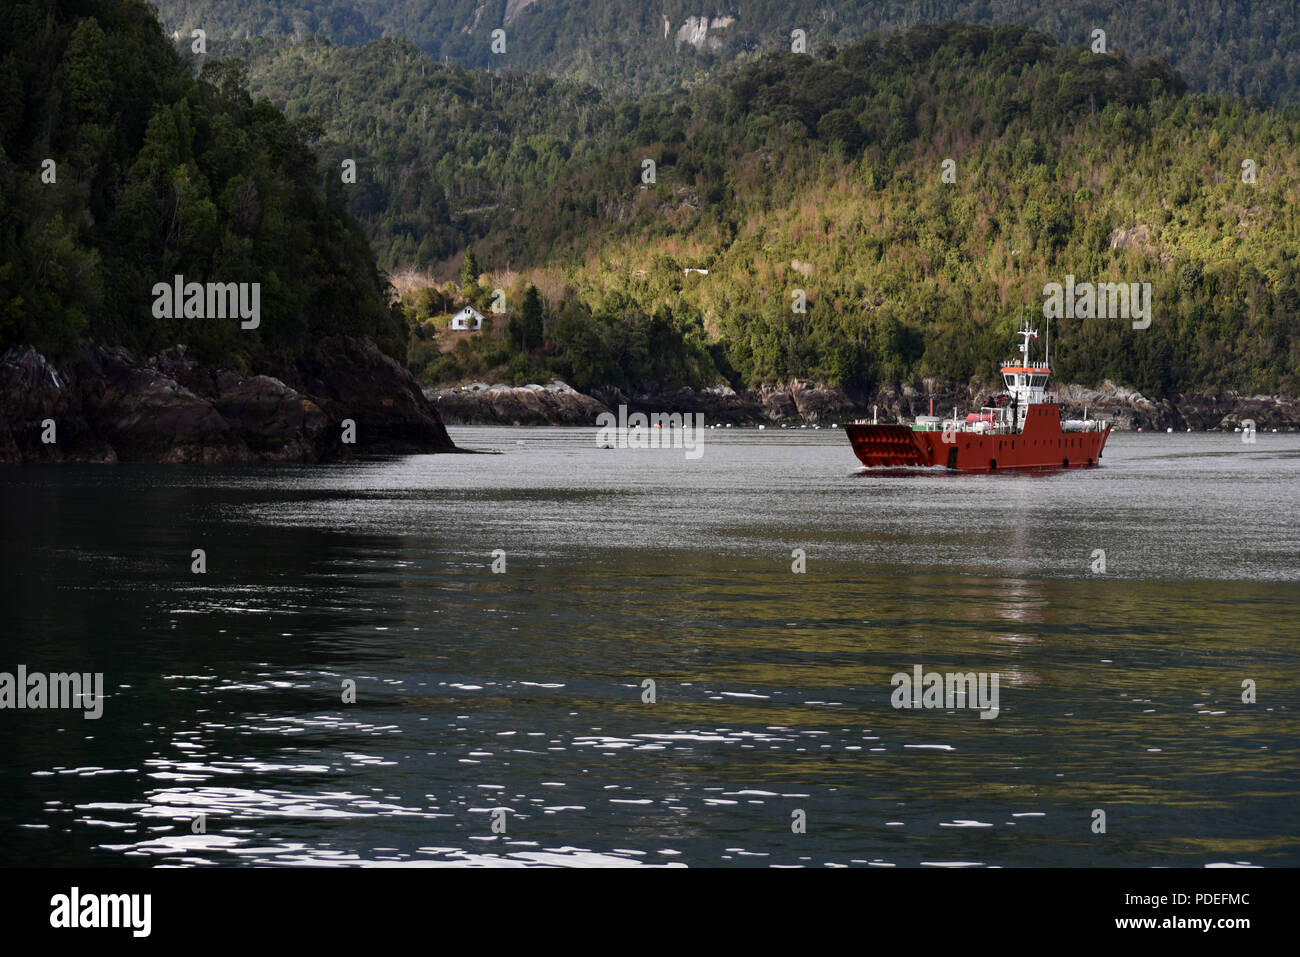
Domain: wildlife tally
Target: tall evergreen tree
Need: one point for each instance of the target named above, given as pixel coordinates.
(530, 315)
(469, 271)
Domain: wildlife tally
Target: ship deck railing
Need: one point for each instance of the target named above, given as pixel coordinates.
(1000, 423)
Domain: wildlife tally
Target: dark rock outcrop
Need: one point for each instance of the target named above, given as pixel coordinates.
(38, 403)
(108, 406)
(558, 404)
(352, 379)
(147, 416)
(796, 403)
(1199, 411)
(277, 423)
(553, 404)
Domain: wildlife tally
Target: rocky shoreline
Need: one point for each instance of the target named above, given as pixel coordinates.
(800, 403)
(480, 404)
(105, 405)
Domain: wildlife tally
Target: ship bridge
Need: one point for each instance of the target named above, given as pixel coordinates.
(1026, 381)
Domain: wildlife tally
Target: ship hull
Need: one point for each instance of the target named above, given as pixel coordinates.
(1042, 444)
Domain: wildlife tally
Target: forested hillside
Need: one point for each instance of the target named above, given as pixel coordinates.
(119, 169)
(1244, 47)
(444, 153)
(879, 213)
(825, 174)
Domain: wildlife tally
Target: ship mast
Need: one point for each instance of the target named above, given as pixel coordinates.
(1024, 346)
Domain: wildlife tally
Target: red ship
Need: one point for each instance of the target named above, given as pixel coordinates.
(1017, 429)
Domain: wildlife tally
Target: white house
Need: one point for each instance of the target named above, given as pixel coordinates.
(467, 318)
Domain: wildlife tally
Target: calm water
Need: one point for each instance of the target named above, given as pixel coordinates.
(1119, 691)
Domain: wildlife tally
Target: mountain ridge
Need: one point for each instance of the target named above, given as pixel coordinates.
(1240, 47)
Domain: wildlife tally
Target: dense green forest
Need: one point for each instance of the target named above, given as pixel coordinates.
(119, 169)
(444, 154)
(877, 213)
(824, 174)
(1243, 47)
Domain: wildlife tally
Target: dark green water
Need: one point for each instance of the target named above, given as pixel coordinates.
(1119, 691)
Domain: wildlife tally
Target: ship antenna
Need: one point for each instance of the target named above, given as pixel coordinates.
(1047, 346)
